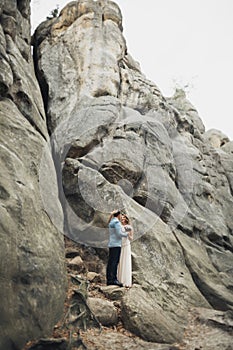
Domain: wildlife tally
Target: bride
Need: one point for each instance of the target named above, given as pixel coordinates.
(124, 273)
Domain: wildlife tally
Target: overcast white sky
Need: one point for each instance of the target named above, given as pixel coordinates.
(179, 42)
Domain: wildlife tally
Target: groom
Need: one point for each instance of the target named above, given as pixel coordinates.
(114, 244)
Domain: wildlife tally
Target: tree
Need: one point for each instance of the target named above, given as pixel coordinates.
(53, 13)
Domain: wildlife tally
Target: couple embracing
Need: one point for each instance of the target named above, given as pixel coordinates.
(119, 270)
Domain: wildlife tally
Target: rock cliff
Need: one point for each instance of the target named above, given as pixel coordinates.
(119, 143)
(32, 282)
(116, 142)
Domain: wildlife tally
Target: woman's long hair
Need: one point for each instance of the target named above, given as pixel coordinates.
(126, 219)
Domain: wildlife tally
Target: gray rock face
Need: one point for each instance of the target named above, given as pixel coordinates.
(143, 316)
(216, 138)
(93, 62)
(209, 330)
(32, 282)
(119, 143)
(104, 310)
(118, 341)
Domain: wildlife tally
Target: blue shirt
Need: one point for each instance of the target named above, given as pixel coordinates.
(115, 233)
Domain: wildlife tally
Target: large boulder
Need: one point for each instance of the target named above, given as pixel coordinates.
(104, 310)
(32, 282)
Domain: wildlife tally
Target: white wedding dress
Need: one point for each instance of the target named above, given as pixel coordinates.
(124, 273)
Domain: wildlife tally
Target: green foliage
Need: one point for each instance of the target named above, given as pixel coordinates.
(53, 13)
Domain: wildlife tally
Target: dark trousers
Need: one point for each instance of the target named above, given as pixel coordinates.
(113, 260)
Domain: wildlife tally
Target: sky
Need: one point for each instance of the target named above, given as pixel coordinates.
(179, 43)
